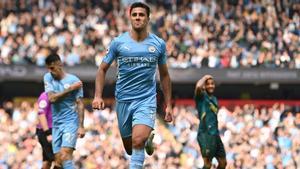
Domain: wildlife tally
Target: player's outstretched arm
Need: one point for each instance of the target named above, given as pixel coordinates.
(200, 84)
(80, 110)
(167, 90)
(98, 102)
(53, 97)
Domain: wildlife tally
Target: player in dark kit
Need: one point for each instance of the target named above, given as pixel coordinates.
(208, 134)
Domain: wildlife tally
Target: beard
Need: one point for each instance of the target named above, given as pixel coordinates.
(210, 91)
(139, 26)
(138, 29)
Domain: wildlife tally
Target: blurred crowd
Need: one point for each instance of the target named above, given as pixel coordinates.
(199, 33)
(254, 138)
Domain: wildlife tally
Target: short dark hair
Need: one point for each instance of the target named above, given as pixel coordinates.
(53, 57)
(141, 5)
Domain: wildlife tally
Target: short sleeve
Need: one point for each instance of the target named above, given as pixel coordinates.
(163, 54)
(48, 83)
(111, 52)
(42, 104)
(200, 97)
(79, 92)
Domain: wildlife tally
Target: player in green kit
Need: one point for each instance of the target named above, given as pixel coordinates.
(208, 134)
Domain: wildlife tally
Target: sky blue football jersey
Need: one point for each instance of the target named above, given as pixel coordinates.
(63, 110)
(137, 63)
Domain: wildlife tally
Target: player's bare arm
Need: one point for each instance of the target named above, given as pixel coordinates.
(98, 102)
(53, 97)
(167, 88)
(80, 110)
(43, 121)
(200, 84)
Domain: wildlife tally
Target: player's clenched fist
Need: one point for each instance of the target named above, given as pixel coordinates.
(81, 132)
(98, 103)
(169, 114)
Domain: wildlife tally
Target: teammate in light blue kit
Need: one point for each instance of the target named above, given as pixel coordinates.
(65, 94)
(137, 53)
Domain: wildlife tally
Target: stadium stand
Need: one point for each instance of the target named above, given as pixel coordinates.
(215, 34)
(254, 137)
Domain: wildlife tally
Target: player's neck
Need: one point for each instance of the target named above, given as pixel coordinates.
(62, 75)
(138, 36)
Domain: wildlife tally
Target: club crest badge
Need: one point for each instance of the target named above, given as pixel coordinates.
(151, 49)
(66, 86)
